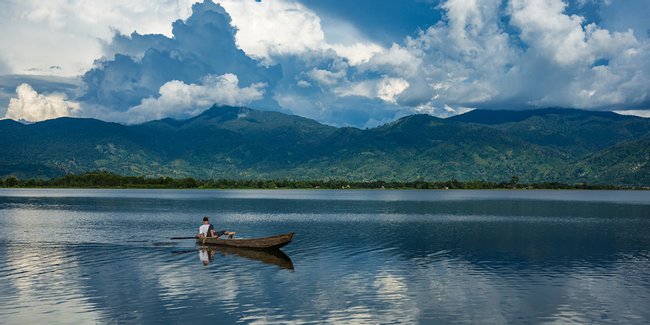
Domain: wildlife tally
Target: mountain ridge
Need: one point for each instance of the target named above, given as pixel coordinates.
(547, 145)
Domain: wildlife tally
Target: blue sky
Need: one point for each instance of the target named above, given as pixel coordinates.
(360, 63)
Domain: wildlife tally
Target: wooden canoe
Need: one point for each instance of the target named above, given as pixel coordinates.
(272, 242)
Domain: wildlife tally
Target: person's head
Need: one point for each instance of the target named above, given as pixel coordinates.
(205, 219)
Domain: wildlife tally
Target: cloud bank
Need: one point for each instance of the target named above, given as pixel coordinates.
(552, 59)
(270, 29)
(180, 100)
(285, 55)
(33, 107)
(66, 33)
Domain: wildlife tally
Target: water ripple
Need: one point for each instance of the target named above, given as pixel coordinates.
(351, 261)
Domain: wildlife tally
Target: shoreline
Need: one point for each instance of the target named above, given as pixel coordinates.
(530, 188)
(106, 180)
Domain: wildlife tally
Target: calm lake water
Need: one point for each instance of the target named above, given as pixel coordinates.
(104, 256)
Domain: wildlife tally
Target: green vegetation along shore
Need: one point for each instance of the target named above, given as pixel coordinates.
(111, 180)
(540, 146)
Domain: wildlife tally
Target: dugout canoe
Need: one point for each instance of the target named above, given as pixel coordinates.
(272, 242)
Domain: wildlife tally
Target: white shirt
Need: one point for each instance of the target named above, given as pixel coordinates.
(204, 229)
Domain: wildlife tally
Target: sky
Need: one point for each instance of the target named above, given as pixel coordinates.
(356, 63)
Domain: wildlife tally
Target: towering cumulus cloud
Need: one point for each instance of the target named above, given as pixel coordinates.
(31, 106)
(140, 68)
(582, 65)
(545, 57)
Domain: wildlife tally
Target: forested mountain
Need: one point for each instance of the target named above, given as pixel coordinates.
(546, 145)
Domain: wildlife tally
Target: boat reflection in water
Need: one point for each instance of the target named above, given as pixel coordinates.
(268, 256)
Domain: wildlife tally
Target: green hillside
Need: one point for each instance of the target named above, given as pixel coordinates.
(549, 145)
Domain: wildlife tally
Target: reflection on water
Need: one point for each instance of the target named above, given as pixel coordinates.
(488, 258)
(268, 256)
(207, 255)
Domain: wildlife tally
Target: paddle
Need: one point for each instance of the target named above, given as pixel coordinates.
(183, 237)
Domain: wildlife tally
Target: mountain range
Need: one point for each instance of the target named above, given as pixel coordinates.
(544, 145)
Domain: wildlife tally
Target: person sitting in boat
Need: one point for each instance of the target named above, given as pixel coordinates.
(207, 230)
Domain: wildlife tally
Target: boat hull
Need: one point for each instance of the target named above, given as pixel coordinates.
(272, 242)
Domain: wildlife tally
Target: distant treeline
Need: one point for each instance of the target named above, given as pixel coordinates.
(111, 180)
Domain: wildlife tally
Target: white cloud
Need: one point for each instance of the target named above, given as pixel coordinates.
(347, 41)
(274, 27)
(357, 53)
(555, 59)
(563, 54)
(366, 88)
(386, 89)
(483, 53)
(67, 34)
(563, 38)
(444, 111)
(303, 84)
(117, 14)
(635, 112)
(284, 27)
(327, 77)
(468, 20)
(178, 99)
(398, 60)
(33, 107)
(464, 60)
(390, 88)
(544, 26)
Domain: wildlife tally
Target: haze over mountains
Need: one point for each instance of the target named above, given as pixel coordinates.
(546, 145)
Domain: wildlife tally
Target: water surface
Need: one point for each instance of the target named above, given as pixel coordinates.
(104, 256)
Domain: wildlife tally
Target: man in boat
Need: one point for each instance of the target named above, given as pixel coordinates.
(207, 230)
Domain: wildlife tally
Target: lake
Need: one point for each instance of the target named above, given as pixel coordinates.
(358, 256)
